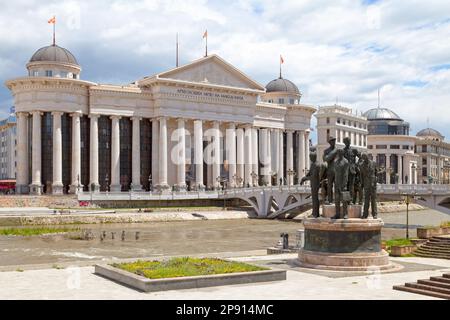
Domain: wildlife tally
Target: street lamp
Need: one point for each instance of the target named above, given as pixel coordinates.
(413, 178)
(408, 198)
(254, 175)
(150, 183)
(291, 173)
(107, 182)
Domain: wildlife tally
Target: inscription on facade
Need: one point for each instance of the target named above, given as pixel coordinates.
(209, 94)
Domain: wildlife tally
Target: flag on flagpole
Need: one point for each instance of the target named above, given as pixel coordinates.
(53, 22)
(205, 35)
(281, 59)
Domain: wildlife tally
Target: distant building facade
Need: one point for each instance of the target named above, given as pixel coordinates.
(391, 147)
(8, 144)
(434, 153)
(340, 122)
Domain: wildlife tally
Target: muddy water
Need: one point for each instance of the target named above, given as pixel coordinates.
(161, 238)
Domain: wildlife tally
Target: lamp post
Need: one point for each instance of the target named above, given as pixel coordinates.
(273, 177)
(413, 169)
(254, 176)
(290, 173)
(107, 182)
(408, 198)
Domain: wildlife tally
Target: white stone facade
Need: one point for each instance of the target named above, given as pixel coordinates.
(203, 123)
(8, 148)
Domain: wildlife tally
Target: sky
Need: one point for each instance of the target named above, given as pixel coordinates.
(342, 50)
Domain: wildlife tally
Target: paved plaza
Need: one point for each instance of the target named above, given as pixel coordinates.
(82, 283)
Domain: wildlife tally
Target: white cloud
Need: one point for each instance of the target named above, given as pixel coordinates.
(343, 49)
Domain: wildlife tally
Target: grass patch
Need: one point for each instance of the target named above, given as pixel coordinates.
(396, 242)
(34, 231)
(445, 224)
(185, 267)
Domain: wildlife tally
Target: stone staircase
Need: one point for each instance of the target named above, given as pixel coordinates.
(438, 287)
(435, 247)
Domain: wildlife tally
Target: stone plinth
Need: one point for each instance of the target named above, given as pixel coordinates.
(354, 211)
(343, 245)
(328, 210)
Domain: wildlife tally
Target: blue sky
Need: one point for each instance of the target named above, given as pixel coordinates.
(342, 50)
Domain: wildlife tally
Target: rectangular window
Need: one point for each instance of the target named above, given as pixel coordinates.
(281, 101)
(395, 146)
(424, 148)
(291, 101)
(338, 120)
(35, 73)
(49, 73)
(405, 147)
(381, 146)
(328, 120)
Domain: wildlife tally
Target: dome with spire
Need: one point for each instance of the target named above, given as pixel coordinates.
(282, 85)
(54, 53)
(430, 133)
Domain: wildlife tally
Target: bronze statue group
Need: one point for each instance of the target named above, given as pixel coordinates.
(346, 176)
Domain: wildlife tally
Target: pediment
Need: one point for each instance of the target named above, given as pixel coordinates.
(212, 70)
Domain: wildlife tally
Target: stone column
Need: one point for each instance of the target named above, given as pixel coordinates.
(289, 156)
(255, 159)
(162, 172)
(301, 155)
(22, 153)
(216, 159)
(198, 154)
(248, 157)
(388, 166)
(231, 148)
(281, 158)
(181, 165)
(400, 169)
(155, 152)
(240, 156)
(75, 185)
(307, 161)
(94, 186)
(36, 184)
(115, 154)
(136, 155)
(265, 156)
(57, 186)
(276, 154)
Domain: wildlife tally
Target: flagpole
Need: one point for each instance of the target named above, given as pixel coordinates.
(54, 33)
(206, 53)
(280, 68)
(177, 50)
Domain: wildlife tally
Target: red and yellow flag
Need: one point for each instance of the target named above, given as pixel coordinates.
(205, 35)
(52, 20)
(281, 59)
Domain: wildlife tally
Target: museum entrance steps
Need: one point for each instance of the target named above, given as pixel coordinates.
(438, 287)
(436, 247)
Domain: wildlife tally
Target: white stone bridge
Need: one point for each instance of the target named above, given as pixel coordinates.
(275, 201)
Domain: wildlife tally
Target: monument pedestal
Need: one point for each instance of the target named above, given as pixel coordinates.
(354, 210)
(343, 245)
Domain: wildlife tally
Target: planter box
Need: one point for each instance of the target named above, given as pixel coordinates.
(398, 251)
(151, 285)
(426, 233)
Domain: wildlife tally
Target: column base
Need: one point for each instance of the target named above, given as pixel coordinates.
(198, 187)
(115, 188)
(57, 189)
(22, 189)
(180, 187)
(162, 188)
(75, 189)
(136, 187)
(36, 189)
(94, 187)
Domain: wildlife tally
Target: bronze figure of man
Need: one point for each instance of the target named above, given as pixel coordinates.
(315, 175)
(329, 155)
(369, 175)
(341, 169)
(351, 154)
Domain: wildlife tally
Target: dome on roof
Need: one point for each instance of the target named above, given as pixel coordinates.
(381, 114)
(282, 85)
(54, 53)
(428, 132)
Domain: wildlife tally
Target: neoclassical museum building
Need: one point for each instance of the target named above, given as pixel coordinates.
(202, 125)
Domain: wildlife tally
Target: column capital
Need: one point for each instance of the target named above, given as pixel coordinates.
(115, 117)
(40, 113)
(198, 120)
(22, 114)
(76, 114)
(94, 116)
(57, 113)
(136, 118)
